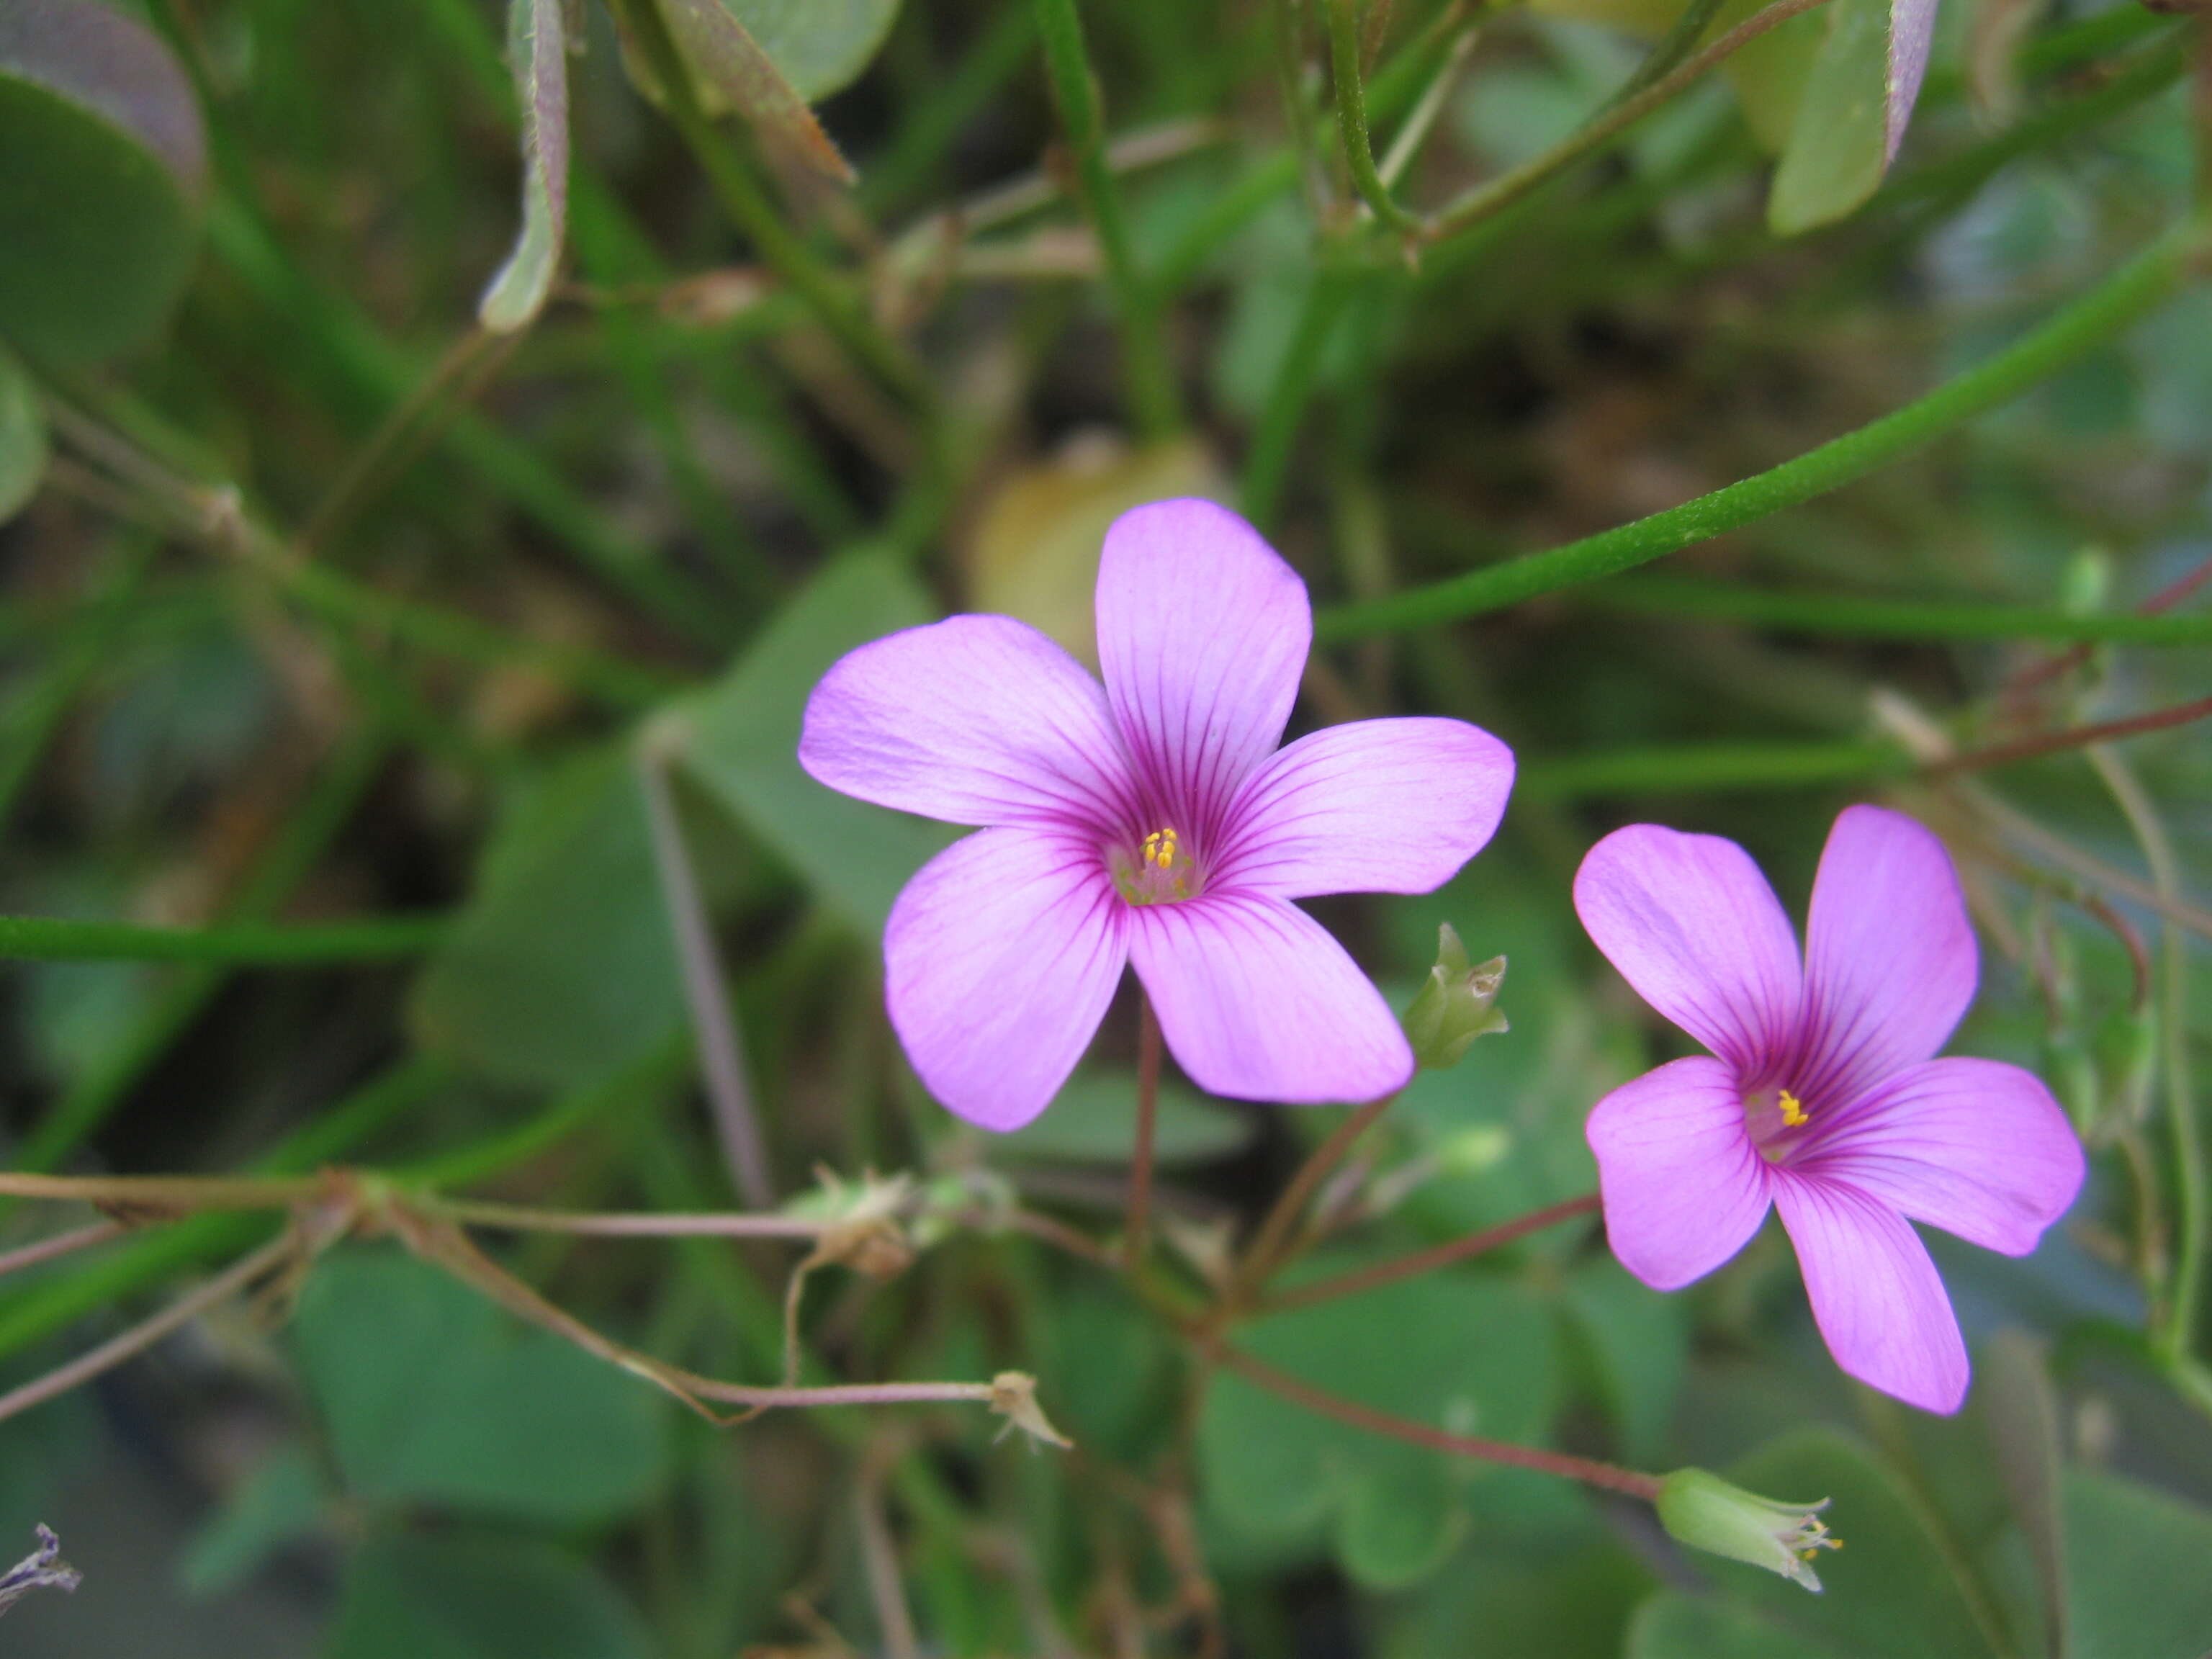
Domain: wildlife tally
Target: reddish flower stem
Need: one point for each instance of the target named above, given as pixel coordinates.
(1610, 1476)
(1422, 1261)
(46, 1249)
(1266, 1249)
(2075, 737)
(2164, 599)
(1148, 1101)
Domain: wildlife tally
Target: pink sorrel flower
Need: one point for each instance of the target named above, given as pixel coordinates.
(1821, 1094)
(1150, 822)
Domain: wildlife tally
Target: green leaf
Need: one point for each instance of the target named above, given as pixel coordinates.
(2137, 1583)
(1892, 1589)
(1094, 1121)
(100, 195)
(1639, 1344)
(432, 1394)
(820, 46)
(732, 71)
(538, 44)
(278, 1503)
(22, 437)
(1673, 1625)
(1523, 1605)
(459, 1596)
(562, 969)
(1838, 148)
(744, 741)
(1476, 1356)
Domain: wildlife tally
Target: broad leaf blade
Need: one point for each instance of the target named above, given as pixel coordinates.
(735, 73)
(537, 42)
(106, 168)
(1838, 149)
(443, 1595)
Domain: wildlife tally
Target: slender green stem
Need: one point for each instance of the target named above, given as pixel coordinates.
(2115, 305)
(747, 202)
(1153, 399)
(1696, 768)
(1597, 134)
(298, 847)
(1267, 465)
(1866, 617)
(1352, 119)
(1668, 52)
(375, 938)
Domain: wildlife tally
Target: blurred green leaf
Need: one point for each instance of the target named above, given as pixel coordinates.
(279, 1502)
(744, 740)
(432, 1395)
(1893, 1590)
(22, 437)
(1639, 1342)
(445, 1596)
(732, 70)
(820, 46)
(2138, 1570)
(1572, 1604)
(107, 165)
(1474, 1356)
(562, 968)
(1838, 146)
(1094, 1121)
(1673, 1625)
(538, 44)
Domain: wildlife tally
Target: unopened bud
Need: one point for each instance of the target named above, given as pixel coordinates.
(1456, 1005)
(2127, 1061)
(1706, 1512)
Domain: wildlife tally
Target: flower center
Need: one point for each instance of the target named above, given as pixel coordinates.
(1159, 869)
(1773, 1115)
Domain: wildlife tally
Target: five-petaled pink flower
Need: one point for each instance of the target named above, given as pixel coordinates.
(1150, 822)
(1820, 1095)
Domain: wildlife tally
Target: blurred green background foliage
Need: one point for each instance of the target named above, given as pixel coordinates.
(338, 626)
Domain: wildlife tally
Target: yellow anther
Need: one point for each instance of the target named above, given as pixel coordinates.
(1793, 1113)
(1160, 848)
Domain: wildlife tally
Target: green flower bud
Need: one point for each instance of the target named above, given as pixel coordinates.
(1456, 1005)
(2127, 1060)
(1706, 1512)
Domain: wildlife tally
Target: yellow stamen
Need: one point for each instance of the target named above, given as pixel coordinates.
(1793, 1114)
(1160, 850)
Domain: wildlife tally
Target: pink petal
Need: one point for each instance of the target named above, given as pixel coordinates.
(1202, 634)
(1690, 923)
(1911, 28)
(1875, 1294)
(1973, 1146)
(1257, 1002)
(1889, 956)
(1000, 958)
(974, 720)
(1684, 1188)
(1375, 806)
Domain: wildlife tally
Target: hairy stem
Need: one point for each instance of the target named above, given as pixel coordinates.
(1352, 119)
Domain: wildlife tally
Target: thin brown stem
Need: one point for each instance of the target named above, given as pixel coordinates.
(144, 1335)
(1428, 1261)
(1590, 1471)
(1263, 1257)
(714, 1021)
(46, 1249)
(1148, 1102)
(517, 1218)
(2075, 737)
